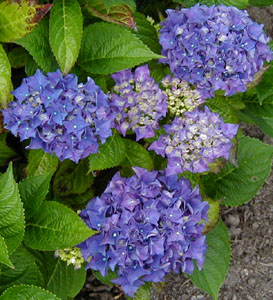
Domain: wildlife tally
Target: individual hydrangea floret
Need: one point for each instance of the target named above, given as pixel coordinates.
(149, 225)
(195, 141)
(138, 101)
(59, 115)
(181, 97)
(214, 47)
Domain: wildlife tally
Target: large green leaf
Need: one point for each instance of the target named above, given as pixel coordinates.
(65, 280)
(110, 3)
(72, 178)
(5, 78)
(25, 271)
(143, 293)
(108, 48)
(18, 19)
(217, 259)
(65, 32)
(33, 191)
(265, 88)
(260, 2)
(110, 154)
(27, 292)
(237, 185)
(55, 226)
(11, 211)
(40, 162)
(37, 44)
(6, 153)
(4, 256)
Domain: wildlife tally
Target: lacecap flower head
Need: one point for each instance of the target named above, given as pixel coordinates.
(138, 101)
(195, 141)
(149, 225)
(214, 48)
(60, 115)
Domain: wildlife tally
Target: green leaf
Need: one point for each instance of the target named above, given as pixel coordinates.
(110, 3)
(108, 48)
(4, 256)
(5, 78)
(55, 226)
(265, 88)
(27, 292)
(217, 260)
(238, 3)
(33, 191)
(65, 32)
(18, 19)
(260, 2)
(37, 44)
(72, 178)
(143, 293)
(239, 185)
(31, 66)
(65, 280)
(147, 33)
(11, 211)
(106, 279)
(25, 271)
(18, 57)
(110, 154)
(6, 153)
(137, 156)
(41, 162)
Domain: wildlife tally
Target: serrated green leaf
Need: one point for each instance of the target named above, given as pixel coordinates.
(4, 256)
(37, 44)
(213, 215)
(265, 88)
(18, 19)
(40, 162)
(110, 154)
(216, 264)
(110, 3)
(11, 211)
(18, 57)
(108, 48)
(106, 279)
(27, 292)
(33, 191)
(65, 280)
(55, 226)
(65, 32)
(143, 293)
(31, 66)
(72, 178)
(5, 78)
(239, 185)
(25, 271)
(137, 156)
(147, 33)
(6, 153)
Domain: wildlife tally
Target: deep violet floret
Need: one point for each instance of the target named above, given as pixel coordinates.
(214, 47)
(149, 225)
(193, 142)
(138, 101)
(60, 115)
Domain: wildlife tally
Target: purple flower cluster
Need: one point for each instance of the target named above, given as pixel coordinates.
(195, 141)
(214, 47)
(149, 225)
(60, 115)
(138, 101)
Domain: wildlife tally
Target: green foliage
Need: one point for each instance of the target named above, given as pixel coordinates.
(237, 185)
(217, 259)
(11, 211)
(110, 3)
(143, 293)
(110, 154)
(242, 4)
(5, 78)
(4, 256)
(25, 271)
(108, 48)
(6, 153)
(265, 88)
(65, 32)
(55, 226)
(18, 57)
(33, 191)
(106, 279)
(40, 163)
(37, 44)
(260, 2)
(18, 19)
(27, 292)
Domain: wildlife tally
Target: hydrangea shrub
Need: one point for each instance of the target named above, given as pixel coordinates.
(120, 140)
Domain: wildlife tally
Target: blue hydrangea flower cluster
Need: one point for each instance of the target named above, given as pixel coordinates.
(195, 141)
(181, 97)
(138, 101)
(149, 225)
(59, 115)
(214, 47)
